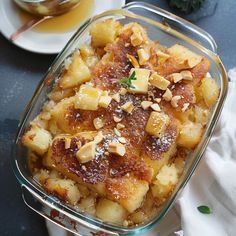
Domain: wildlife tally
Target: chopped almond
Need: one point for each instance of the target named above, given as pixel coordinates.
(167, 96)
(163, 55)
(186, 74)
(86, 152)
(117, 119)
(176, 77)
(99, 137)
(155, 107)
(98, 123)
(146, 104)
(128, 107)
(116, 97)
(123, 91)
(104, 101)
(117, 148)
(67, 141)
(120, 126)
(143, 56)
(122, 140)
(174, 101)
(157, 100)
(117, 132)
(159, 81)
(185, 107)
(133, 60)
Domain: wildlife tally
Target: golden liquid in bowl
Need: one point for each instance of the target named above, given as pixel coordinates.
(66, 22)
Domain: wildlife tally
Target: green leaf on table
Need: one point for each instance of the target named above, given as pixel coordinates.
(204, 209)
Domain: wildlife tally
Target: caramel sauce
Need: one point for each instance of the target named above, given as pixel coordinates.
(65, 22)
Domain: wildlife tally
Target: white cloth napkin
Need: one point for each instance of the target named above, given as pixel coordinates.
(213, 184)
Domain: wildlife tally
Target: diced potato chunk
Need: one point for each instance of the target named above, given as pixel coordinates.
(166, 179)
(141, 82)
(157, 123)
(210, 91)
(159, 81)
(104, 101)
(184, 56)
(63, 188)
(190, 134)
(37, 139)
(77, 73)
(143, 56)
(87, 98)
(201, 115)
(104, 32)
(59, 113)
(117, 148)
(86, 152)
(156, 165)
(110, 211)
(138, 190)
(88, 205)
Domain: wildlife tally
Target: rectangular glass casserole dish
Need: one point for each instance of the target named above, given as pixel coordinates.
(170, 30)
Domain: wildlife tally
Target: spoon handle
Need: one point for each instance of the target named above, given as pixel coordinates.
(27, 26)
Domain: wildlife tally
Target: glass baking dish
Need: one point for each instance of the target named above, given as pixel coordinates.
(169, 29)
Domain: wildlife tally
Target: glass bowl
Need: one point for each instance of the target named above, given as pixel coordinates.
(169, 29)
(47, 7)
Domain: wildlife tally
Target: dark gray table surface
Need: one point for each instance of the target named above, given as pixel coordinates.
(21, 71)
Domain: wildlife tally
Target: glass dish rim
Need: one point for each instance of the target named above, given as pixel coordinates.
(89, 220)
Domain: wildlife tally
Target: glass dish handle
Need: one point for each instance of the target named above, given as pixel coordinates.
(190, 30)
(53, 214)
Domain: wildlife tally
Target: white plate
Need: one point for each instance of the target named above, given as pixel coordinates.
(40, 42)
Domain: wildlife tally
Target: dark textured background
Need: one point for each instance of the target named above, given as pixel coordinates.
(20, 72)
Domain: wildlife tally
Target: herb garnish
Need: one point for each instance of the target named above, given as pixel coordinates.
(128, 80)
(204, 209)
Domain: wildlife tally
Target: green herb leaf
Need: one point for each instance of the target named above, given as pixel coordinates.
(204, 209)
(128, 80)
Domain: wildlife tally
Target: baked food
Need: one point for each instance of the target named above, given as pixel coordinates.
(120, 122)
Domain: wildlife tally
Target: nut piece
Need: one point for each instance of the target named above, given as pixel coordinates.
(87, 98)
(146, 104)
(122, 140)
(167, 96)
(186, 74)
(159, 81)
(120, 126)
(157, 123)
(117, 119)
(176, 77)
(67, 141)
(86, 152)
(162, 55)
(117, 148)
(141, 83)
(99, 137)
(128, 107)
(98, 123)
(123, 91)
(104, 101)
(174, 101)
(117, 132)
(133, 60)
(143, 56)
(157, 100)
(116, 97)
(185, 107)
(155, 107)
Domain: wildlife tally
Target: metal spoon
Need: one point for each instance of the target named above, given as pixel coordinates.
(32, 23)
